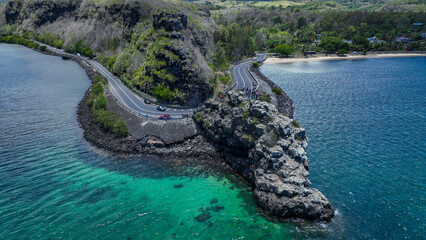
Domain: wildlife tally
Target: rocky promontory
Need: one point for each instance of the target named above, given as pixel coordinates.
(268, 149)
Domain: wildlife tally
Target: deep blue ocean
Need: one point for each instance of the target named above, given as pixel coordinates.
(366, 124)
(364, 119)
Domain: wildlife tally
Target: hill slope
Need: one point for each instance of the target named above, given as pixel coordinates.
(162, 53)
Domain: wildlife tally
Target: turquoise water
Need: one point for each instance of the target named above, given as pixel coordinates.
(53, 185)
(366, 124)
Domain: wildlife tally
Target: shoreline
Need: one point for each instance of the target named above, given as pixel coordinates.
(274, 60)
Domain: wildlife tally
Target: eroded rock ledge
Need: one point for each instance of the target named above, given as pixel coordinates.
(268, 149)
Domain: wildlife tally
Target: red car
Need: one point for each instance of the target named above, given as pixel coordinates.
(165, 117)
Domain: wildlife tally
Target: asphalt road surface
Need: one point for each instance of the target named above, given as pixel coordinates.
(241, 75)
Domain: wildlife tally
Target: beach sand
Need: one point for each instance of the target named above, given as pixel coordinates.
(335, 57)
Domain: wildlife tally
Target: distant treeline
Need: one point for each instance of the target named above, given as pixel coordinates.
(22, 41)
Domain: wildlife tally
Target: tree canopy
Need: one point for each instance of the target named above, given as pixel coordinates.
(333, 44)
(284, 49)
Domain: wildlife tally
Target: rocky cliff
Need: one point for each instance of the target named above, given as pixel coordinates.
(268, 149)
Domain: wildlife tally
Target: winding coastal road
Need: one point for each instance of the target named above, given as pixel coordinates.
(136, 104)
(243, 79)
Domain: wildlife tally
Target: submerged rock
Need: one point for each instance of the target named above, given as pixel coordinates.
(217, 208)
(203, 217)
(180, 185)
(269, 151)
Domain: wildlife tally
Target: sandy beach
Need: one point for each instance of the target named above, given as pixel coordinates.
(335, 57)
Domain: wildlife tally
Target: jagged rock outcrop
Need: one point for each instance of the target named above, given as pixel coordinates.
(170, 21)
(44, 10)
(268, 149)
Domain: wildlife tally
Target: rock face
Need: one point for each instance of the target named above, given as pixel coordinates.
(268, 149)
(170, 21)
(171, 60)
(44, 10)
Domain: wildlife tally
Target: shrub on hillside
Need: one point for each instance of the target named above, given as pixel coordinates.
(265, 97)
(224, 79)
(111, 121)
(296, 124)
(97, 88)
(163, 93)
(100, 103)
(277, 91)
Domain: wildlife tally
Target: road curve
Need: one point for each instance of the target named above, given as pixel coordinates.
(135, 104)
(242, 77)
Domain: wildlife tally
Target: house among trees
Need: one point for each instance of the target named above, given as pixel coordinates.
(423, 35)
(417, 26)
(373, 40)
(403, 40)
(316, 42)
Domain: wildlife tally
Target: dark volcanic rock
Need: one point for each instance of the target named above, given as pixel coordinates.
(170, 21)
(203, 217)
(284, 102)
(269, 151)
(180, 185)
(44, 10)
(217, 208)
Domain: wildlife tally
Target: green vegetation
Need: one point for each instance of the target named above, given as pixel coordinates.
(82, 48)
(333, 44)
(265, 97)
(277, 91)
(206, 124)
(284, 50)
(360, 43)
(235, 41)
(198, 117)
(246, 115)
(248, 137)
(111, 121)
(273, 136)
(296, 124)
(255, 64)
(163, 93)
(224, 80)
(303, 26)
(255, 121)
(22, 41)
(108, 119)
(99, 103)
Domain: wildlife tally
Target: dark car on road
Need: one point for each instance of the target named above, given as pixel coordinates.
(161, 108)
(147, 101)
